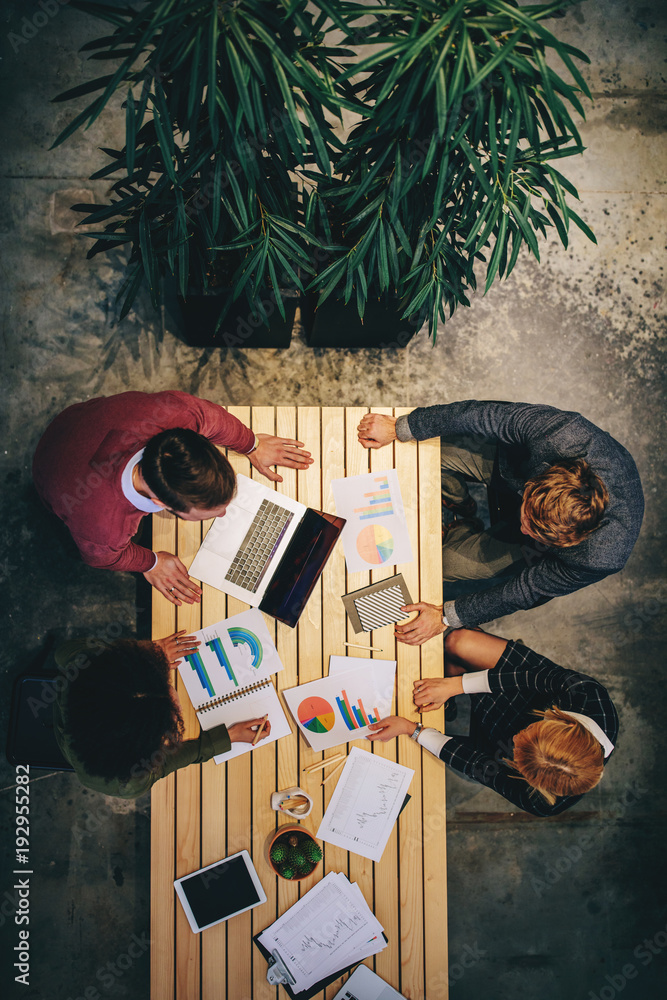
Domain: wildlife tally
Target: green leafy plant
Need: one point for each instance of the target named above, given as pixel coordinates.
(223, 101)
(456, 155)
(233, 174)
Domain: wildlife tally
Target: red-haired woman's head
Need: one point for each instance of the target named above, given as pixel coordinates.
(558, 756)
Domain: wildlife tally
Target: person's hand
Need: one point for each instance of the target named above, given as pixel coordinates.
(178, 645)
(272, 450)
(389, 728)
(376, 430)
(431, 693)
(171, 578)
(427, 624)
(245, 732)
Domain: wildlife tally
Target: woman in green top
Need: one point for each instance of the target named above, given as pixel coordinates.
(118, 719)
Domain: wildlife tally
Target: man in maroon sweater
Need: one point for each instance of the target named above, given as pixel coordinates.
(90, 470)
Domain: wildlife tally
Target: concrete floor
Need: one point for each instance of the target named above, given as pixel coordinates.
(573, 907)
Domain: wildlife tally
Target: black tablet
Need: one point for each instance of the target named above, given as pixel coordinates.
(220, 891)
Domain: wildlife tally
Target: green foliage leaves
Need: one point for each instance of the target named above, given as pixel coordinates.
(231, 162)
(465, 113)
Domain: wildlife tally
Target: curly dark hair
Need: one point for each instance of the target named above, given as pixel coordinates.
(120, 713)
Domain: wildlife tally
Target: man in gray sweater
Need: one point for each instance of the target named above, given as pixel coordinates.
(576, 492)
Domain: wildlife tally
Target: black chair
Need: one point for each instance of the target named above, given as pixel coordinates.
(31, 739)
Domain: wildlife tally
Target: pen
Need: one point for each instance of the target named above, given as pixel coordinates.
(260, 730)
(376, 649)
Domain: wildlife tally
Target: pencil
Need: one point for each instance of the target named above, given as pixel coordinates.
(335, 771)
(260, 730)
(357, 645)
(323, 763)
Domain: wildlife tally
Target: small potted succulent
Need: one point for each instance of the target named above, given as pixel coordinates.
(293, 853)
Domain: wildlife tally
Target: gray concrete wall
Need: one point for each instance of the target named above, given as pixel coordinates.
(553, 909)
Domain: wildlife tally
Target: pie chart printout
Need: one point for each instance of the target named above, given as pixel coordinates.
(316, 714)
(375, 544)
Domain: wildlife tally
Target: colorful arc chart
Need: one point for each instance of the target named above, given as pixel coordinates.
(241, 635)
(316, 715)
(375, 544)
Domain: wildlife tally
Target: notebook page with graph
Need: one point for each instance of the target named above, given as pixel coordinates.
(228, 678)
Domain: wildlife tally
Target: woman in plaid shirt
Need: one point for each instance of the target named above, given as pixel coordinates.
(540, 734)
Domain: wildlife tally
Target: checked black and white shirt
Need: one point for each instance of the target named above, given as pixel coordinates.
(503, 703)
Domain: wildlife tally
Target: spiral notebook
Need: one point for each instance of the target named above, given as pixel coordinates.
(228, 678)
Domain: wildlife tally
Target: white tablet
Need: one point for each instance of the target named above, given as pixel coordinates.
(220, 891)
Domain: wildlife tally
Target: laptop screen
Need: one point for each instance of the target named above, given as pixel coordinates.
(300, 567)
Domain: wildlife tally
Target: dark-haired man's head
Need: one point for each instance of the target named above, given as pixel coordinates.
(564, 505)
(187, 474)
(121, 715)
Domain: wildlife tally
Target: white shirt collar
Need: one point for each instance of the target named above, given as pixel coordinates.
(593, 728)
(136, 499)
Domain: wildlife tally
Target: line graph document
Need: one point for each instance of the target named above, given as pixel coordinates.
(365, 804)
(328, 929)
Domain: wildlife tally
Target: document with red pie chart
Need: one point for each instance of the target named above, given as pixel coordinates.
(376, 533)
(339, 708)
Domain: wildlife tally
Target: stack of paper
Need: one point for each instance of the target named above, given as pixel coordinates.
(330, 928)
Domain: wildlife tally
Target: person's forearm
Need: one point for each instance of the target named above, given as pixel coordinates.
(209, 743)
(507, 423)
(132, 558)
(531, 586)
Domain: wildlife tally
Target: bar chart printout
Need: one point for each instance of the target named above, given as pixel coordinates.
(216, 647)
(376, 532)
(196, 663)
(355, 717)
(335, 709)
(378, 501)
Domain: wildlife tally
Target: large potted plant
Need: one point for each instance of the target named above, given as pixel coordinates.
(451, 166)
(224, 103)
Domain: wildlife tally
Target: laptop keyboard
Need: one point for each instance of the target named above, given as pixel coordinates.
(254, 555)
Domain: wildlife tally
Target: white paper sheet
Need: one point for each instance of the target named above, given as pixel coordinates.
(328, 929)
(376, 533)
(333, 710)
(252, 706)
(365, 804)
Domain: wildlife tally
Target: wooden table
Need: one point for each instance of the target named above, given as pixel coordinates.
(203, 813)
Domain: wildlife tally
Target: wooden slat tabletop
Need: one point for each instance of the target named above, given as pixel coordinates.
(205, 812)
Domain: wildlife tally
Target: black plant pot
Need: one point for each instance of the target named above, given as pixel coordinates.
(334, 324)
(197, 320)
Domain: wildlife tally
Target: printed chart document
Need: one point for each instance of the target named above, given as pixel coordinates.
(376, 532)
(330, 928)
(228, 678)
(365, 804)
(340, 707)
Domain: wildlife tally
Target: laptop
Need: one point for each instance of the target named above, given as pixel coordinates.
(268, 550)
(365, 985)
